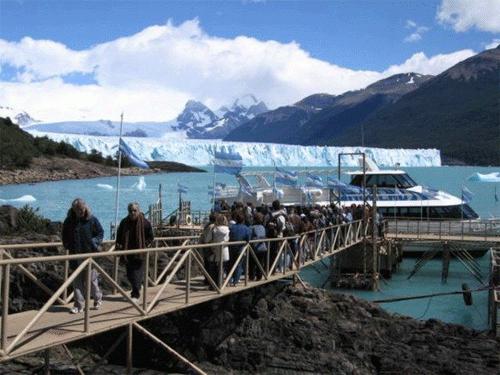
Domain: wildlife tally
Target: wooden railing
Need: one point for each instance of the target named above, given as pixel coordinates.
(486, 230)
(290, 255)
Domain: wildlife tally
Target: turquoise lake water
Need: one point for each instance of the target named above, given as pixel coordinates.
(54, 198)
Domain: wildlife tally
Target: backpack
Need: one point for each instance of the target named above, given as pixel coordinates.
(273, 226)
(289, 230)
(259, 233)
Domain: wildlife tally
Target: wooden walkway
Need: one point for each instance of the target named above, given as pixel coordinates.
(58, 326)
(438, 237)
(443, 230)
(52, 325)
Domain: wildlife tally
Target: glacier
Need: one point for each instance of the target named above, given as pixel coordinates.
(200, 152)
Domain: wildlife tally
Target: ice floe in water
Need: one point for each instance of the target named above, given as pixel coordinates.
(105, 186)
(23, 199)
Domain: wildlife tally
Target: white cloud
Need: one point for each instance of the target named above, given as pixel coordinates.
(463, 15)
(41, 59)
(420, 63)
(417, 31)
(493, 44)
(413, 37)
(410, 24)
(151, 74)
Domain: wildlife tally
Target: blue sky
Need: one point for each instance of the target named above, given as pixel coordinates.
(357, 36)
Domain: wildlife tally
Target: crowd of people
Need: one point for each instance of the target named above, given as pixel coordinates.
(82, 233)
(241, 222)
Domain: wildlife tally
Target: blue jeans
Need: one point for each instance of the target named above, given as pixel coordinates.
(234, 253)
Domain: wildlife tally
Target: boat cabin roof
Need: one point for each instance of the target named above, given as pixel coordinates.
(382, 171)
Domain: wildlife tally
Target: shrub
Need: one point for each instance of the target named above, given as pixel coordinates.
(29, 220)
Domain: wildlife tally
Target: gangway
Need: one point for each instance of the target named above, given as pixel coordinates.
(177, 285)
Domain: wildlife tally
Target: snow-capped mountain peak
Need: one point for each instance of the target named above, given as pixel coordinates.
(195, 117)
(200, 122)
(19, 117)
(196, 121)
(246, 101)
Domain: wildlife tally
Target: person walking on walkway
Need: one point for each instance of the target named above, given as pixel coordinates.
(134, 232)
(238, 232)
(82, 233)
(220, 253)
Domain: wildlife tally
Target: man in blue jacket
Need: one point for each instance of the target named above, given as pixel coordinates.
(238, 232)
(82, 233)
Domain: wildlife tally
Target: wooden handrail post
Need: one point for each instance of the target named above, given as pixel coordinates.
(1, 270)
(283, 262)
(116, 265)
(268, 257)
(129, 348)
(221, 267)
(88, 281)
(188, 276)
(247, 264)
(66, 274)
(5, 303)
(155, 266)
(145, 282)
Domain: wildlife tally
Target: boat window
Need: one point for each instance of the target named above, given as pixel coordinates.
(371, 180)
(405, 181)
(357, 180)
(384, 180)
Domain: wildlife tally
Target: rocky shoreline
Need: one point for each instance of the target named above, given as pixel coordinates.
(57, 168)
(280, 329)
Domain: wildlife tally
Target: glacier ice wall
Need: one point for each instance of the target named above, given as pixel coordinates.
(199, 152)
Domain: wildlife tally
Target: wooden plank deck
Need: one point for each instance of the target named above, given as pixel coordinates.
(57, 326)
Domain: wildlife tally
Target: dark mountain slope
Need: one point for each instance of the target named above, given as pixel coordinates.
(319, 117)
(457, 111)
(282, 124)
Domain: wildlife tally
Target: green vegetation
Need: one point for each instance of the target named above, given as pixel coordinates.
(18, 148)
(29, 220)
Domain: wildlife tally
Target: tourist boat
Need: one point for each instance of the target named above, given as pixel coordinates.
(397, 194)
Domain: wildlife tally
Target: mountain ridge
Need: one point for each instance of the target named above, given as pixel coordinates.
(307, 121)
(457, 111)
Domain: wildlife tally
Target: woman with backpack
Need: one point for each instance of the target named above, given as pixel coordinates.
(259, 248)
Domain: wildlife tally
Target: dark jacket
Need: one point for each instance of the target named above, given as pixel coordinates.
(81, 235)
(127, 237)
(238, 232)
